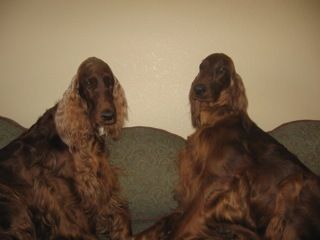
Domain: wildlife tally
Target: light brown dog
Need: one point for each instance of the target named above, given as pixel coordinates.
(55, 179)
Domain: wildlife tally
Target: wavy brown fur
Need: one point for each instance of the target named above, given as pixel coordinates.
(235, 180)
(55, 179)
(233, 173)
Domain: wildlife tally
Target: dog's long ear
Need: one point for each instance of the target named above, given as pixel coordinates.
(69, 118)
(195, 111)
(238, 94)
(121, 106)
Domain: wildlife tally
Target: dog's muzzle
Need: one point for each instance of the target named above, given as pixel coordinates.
(199, 89)
(108, 116)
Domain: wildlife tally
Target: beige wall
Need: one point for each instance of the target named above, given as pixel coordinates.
(155, 47)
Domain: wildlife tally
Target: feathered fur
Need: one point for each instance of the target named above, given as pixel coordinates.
(55, 179)
(235, 180)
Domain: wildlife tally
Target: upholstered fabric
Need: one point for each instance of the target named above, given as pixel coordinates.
(147, 159)
(9, 130)
(303, 139)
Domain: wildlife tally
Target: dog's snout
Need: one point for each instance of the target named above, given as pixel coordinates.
(199, 89)
(108, 115)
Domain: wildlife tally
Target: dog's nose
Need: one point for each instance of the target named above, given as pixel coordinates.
(199, 89)
(108, 115)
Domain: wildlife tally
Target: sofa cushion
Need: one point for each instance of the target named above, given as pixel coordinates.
(303, 139)
(147, 158)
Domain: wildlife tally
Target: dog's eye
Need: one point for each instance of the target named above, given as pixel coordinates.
(91, 83)
(108, 81)
(221, 70)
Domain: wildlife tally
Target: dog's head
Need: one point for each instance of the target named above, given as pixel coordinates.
(216, 86)
(94, 103)
(102, 95)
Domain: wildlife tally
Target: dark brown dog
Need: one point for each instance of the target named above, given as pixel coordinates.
(55, 179)
(236, 181)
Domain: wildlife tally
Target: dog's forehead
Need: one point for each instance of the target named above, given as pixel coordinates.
(94, 65)
(217, 60)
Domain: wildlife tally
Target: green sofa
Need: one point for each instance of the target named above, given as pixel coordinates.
(147, 160)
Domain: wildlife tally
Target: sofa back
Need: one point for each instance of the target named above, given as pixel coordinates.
(9, 130)
(146, 158)
(303, 139)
